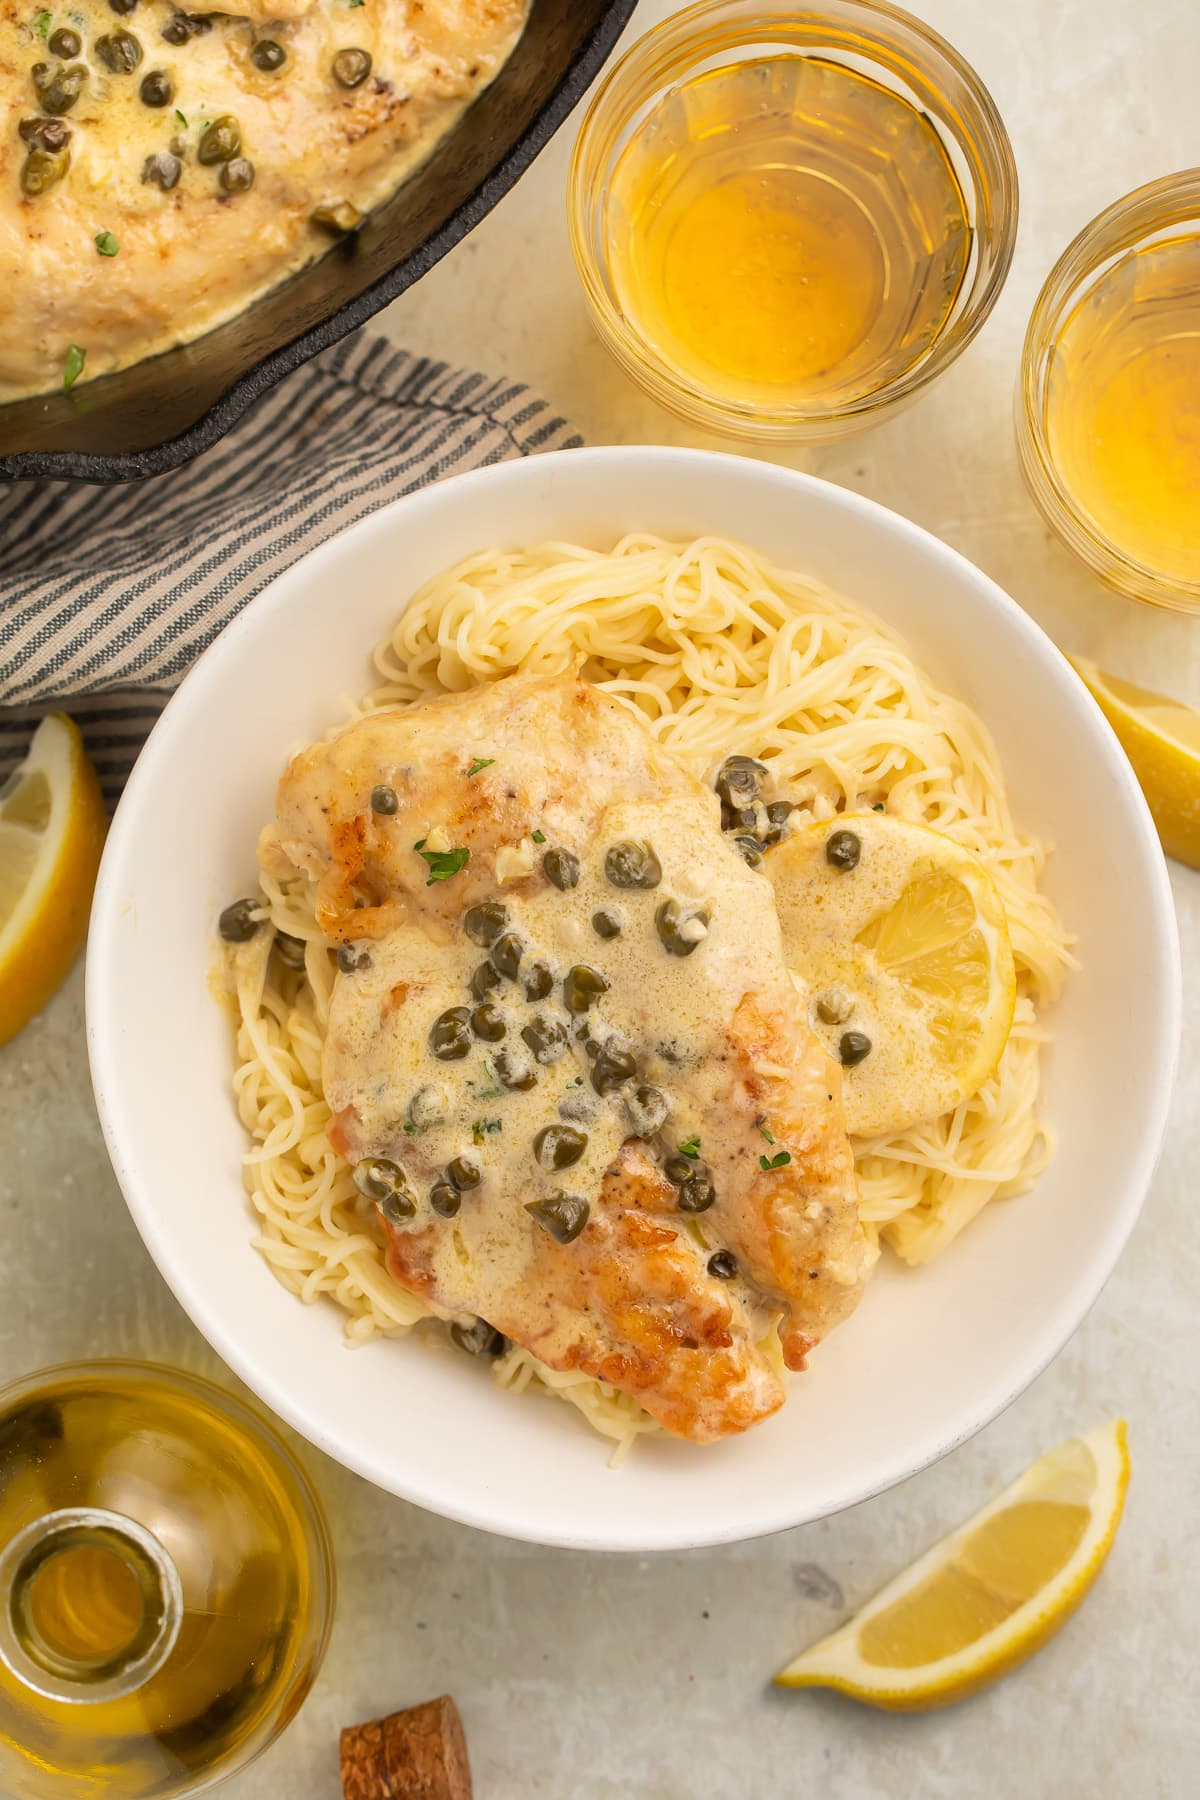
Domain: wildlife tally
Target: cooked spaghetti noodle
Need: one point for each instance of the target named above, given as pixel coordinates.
(720, 652)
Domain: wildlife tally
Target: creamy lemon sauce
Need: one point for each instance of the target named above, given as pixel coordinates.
(663, 1010)
(159, 170)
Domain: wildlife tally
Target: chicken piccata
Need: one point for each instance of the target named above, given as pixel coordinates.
(564, 1053)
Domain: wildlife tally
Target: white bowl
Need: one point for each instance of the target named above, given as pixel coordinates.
(930, 1356)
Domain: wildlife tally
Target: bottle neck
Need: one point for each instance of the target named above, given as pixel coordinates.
(90, 1605)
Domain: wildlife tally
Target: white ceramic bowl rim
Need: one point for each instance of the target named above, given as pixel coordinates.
(634, 1520)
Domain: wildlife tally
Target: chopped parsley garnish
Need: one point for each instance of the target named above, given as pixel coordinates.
(490, 1092)
(879, 807)
(41, 23)
(690, 1147)
(539, 837)
(481, 762)
(410, 1128)
(483, 1127)
(354, 3)
(766, 1134)
(779, 1161)
(73, 367)
(442, 863)
(106, 243)
(182, 117)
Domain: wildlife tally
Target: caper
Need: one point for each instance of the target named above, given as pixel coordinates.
(738, 780)
(237, 924)
(558, 1146)
(351, 68)
(157, 88)
(268, 56)
(546, 1039)
(679, 1168)
(398, 1207)
(514, 1070)
(582, 985)
(612, 1067)
(843, 849)
(162, 170)
(338, 217)
(630, 865)
(479, 1339)
(853, 1048)
(122, 8)
(647, 1109)
(45, 134)
(181, 27)
(696, 1195)
(737, 818)
(42, 169)
(483, 981)
(680, 928)
(723, 1264)
(749, 849)
(119, 51)
(65, 43)
(506, 955)
(484, 924)
(537, 981)
(444, 1199)
(834, 1007)
(237, 176)
(778, 814)
(464, 1172)
(220, 141)
(58, 88)
(562, 868)
(450, 1035)
(487, 1022)
(606, 924)
(376, 1177)
(384, 800)
(562, 1215)
(352, 958)
(290, 950)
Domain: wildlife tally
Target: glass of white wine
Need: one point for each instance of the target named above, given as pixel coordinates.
(166, 1584)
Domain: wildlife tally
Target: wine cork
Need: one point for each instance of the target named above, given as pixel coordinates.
(420, 1754)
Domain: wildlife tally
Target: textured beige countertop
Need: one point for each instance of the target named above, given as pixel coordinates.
(587, 1678)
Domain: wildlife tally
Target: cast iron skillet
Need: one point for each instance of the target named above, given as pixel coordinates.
(162, 412)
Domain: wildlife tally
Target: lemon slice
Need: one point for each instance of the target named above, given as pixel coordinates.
(898, 940)
(51, 834)
(1161, 738)
(981, 1601)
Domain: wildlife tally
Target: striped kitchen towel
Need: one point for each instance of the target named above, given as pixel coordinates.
(108, 595)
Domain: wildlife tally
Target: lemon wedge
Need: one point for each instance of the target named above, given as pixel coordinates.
(984, 1599)
(1161, 738)
(52, 826)
(897, 938)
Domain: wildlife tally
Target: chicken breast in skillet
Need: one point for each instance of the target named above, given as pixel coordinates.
(565, 1026)
(159, 170)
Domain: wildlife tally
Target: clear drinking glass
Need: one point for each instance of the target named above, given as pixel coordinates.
(166, 1584)
(869, 37)
(1158, 305)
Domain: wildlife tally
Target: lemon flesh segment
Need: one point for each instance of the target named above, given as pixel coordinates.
(911, 948)
(1161, 738)
(52, 825)
(984, 1599)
